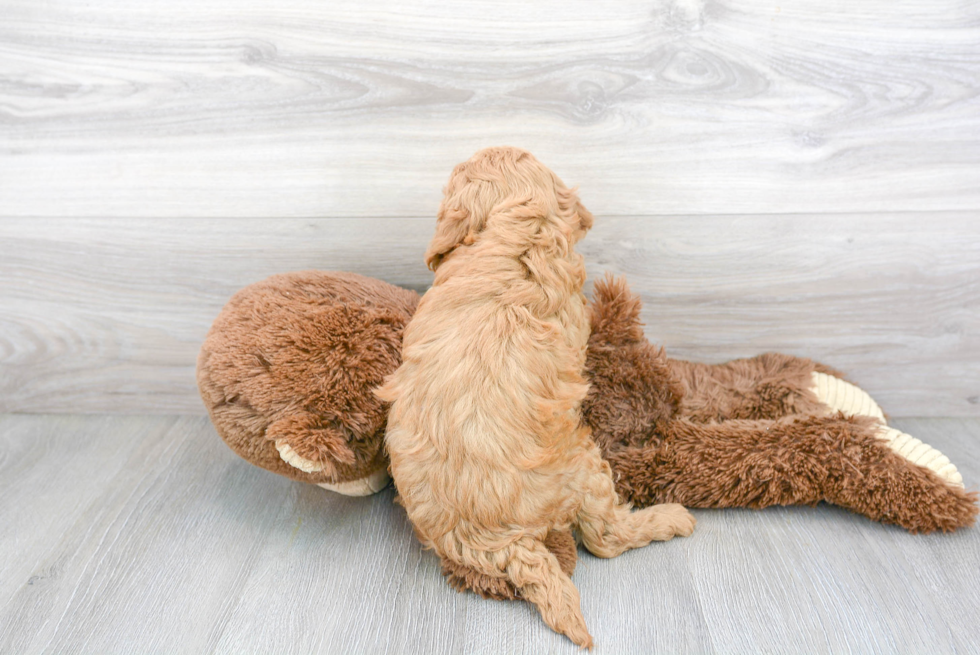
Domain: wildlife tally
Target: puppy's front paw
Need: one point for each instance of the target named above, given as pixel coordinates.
(675, 520)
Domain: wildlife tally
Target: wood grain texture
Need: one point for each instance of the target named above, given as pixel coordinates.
(146, 534)
(345, 108)
(108, 315)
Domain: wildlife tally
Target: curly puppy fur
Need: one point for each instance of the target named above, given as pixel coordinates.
(561, 543)
(484, 434)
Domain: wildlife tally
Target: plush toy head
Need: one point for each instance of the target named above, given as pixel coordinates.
(286, 372)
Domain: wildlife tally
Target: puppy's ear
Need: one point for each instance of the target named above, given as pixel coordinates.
(571, 208)
(584, 216)
(452, 230)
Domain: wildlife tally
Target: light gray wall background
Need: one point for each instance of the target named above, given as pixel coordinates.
(792, 176)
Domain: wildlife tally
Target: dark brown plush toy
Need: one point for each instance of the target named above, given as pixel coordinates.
(288, 368)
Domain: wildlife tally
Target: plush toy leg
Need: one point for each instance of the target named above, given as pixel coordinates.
(921, 454)
(790, 461)
(365, 486)
(773, 385)
(845, 397)
(842, 396)
(768, 386)
(294, 459)
(308, 444)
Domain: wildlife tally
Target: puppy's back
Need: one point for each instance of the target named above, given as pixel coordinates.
(483, 407)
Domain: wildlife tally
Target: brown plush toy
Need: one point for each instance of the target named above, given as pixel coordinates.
(288, 368)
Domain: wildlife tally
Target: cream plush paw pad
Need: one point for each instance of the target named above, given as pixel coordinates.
(370, 484)
(290, 456)
(922, 454)
(845, 397)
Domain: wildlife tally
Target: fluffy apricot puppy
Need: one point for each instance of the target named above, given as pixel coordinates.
(484, 435)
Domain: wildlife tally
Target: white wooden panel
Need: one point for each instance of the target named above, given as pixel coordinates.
(108, 315)
(351, 108)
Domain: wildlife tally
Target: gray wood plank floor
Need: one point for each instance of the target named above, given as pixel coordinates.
(146, 534)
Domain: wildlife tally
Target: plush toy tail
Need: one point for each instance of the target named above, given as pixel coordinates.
(537, 576)
(792, 461)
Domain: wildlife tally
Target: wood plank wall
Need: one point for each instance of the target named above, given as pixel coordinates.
(795, 176)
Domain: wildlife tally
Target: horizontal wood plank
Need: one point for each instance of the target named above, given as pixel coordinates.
(342, 109)
(107, 315)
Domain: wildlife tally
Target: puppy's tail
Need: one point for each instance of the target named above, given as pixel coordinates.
(535, 573)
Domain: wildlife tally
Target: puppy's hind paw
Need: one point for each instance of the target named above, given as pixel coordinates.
(671, 520)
